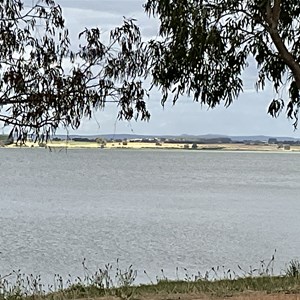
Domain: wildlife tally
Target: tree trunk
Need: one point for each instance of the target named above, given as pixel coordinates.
(272, 18)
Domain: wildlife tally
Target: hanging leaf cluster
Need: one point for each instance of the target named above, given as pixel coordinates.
(205, 45)
(45, 86)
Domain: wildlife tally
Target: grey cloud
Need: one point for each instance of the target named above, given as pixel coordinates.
(105, 15)
(121, 7)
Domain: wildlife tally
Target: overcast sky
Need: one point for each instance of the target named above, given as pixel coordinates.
(246, 116)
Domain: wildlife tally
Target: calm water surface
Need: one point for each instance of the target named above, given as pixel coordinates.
(152, 209)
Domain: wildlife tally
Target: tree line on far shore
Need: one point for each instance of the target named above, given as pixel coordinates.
(201, 51)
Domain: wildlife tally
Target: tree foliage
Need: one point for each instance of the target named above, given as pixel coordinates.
(30, 64)
(45, 85)
(205, 45)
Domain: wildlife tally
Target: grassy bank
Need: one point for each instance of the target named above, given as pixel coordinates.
(188, 290)
(257, 284)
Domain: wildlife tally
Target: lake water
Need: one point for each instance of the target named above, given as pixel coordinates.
(153, 209)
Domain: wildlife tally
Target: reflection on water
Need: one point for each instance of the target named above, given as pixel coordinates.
(152, 209)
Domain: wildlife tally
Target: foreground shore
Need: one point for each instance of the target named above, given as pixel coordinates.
(119, 284)
(246, 296)
(250, 288)
(251, 296)
(169, 146)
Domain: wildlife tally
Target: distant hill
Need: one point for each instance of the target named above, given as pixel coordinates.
(262, 138)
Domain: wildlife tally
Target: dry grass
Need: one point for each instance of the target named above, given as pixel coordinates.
(261, 296)
(247, 296)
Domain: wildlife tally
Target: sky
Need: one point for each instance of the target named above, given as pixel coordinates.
(246, 116)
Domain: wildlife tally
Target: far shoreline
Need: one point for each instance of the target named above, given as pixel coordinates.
(230, 147)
